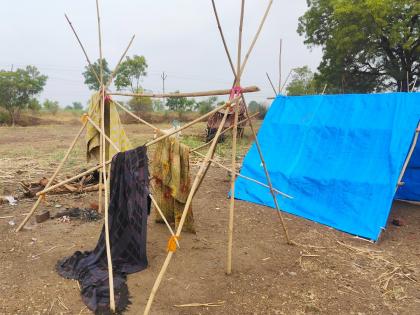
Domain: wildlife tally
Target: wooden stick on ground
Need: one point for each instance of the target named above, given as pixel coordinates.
(194, 186)
(103, 144)
(35, 206)
(249, 89)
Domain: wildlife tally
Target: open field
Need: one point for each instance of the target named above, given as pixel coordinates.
(329, 272)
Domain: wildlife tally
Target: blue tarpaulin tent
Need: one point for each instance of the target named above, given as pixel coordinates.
(339, 156)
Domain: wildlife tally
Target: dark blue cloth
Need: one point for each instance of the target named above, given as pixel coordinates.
(128, 210)
(339, 156)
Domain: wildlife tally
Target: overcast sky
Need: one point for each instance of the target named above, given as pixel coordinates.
(179, 37)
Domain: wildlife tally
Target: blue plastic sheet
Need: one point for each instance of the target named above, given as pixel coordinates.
(339, 156)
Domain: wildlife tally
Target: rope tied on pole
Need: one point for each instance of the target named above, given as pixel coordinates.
(171, 247)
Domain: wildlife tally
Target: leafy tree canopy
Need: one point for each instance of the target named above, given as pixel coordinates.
(180, 104)
(51, 106)
(302, 82)
(255, 107)
(368, 45)
(18, 88)
(141, 103)
(90, 78)
(207, 105)
(77, 106)
(130, 73)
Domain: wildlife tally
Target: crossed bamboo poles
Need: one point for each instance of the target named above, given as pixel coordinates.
(231, 104)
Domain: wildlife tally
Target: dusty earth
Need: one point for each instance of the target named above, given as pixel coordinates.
(328, 272)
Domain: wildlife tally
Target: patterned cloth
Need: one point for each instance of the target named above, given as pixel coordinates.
(116, 133)
(171, 181)
(128, 210)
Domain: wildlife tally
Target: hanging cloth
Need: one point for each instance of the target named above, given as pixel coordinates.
(113, 129)
(171, 183)
(128, 210)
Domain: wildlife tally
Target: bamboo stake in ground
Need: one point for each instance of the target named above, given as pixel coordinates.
(194, 186)
(35, 206)
(103, 144)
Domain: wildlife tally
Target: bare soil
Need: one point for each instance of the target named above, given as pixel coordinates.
(328, 272)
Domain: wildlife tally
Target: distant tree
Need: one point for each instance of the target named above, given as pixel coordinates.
(141, 103)
(34, 105)
(158, 105)
(68, 107)
(77, 106)
(260, 108)
(368, 45)
(207, 105)
(180, 104)
(90, 78)
(130, 73)
(302, 82)
(18, 89)
(51, 106)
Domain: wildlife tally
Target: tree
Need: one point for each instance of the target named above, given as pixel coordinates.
(18, 89)
(77, 106)
(34, 105)
(141, 103)
(255, 107)
(368, 45)
(302, 82)
(180, 104)
(90, 78)
(207, 105)
(51, 106)
(130, 73)
(158, 105)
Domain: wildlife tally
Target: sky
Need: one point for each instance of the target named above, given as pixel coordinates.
(179, 37)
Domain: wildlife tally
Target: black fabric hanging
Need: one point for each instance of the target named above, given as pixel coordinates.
(128, 210)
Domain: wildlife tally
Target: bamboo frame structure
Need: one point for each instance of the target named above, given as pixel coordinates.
(231, 104)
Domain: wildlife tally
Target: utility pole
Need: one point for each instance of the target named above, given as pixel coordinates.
(163, 76)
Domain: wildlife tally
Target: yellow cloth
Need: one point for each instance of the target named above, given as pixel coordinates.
(113, 128)
(171, 183)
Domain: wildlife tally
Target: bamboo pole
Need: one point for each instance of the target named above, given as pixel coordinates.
(249, 89)
(103, 144)
(228, 103)
(164, 218)
(222, 36)
(103, 134)
(280, 53)
(135, 116)
(66, 181)
(267, 175)
(119, 63)
(238, 67)
(239, 72)
(245, 177)
(232, 194)
(184, 213)
(224, 131)
(52, 178)
(83, 48)
(410, 153)
(285, 81)
(271, 83)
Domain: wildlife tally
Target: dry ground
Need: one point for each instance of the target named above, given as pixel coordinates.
(328, 273)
